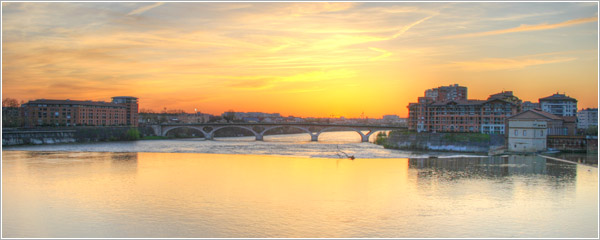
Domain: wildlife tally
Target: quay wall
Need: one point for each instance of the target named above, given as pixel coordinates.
(455, 142)
(62, 135)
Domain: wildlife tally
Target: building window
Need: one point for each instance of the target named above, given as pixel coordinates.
(516, 132)
(541, 133)
(524, 132)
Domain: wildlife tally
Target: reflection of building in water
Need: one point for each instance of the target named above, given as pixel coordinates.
(123, 162)
(81, 162)
(490, 167)
(585, 158)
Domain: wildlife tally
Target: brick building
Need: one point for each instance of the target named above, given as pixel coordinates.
(44, 112)
(131, 108)
(447, 93)
(484, 116)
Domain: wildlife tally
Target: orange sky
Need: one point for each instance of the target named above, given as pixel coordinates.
(304, 59)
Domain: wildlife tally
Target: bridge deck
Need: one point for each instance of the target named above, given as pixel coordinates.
(208, 129)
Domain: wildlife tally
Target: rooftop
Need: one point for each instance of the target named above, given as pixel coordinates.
(74, 102)
(538, 112)
(558, 96)
(125, 97)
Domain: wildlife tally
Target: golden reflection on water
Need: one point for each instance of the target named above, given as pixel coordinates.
(82, 194)
(273, 188)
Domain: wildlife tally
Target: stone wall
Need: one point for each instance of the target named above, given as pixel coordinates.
(456, 142)
(37, 137)
(62, 135)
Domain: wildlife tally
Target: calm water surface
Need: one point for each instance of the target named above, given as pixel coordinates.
(288, 188)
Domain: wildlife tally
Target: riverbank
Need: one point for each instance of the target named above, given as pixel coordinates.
(451, 142)
(330, 145)
(85, 134)
(38, 136)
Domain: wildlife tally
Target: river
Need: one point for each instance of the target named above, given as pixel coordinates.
(287, 186)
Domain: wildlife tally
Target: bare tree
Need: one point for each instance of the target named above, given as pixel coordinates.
(10, 102)
(146, 110)
(229, 115)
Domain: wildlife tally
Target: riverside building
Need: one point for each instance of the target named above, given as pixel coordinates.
(44, 112)
(587, 118)
(461, 115)
(559, 104)
(447, 93)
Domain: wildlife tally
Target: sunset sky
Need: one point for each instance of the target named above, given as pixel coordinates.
(304, 59)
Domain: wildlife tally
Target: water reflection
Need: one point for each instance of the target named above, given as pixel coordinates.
(291, 145)
(92, 194)
(585, 158)
(57, 163)
(492, 167)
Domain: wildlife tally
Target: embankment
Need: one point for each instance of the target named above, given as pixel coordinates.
(64, 135)
(456, 142)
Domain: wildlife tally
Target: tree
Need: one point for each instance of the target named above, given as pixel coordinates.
(212, 119)
(591, 131)
(10, 102)
(229, 116)
(11, 116)
(132, 134)
(146, 110)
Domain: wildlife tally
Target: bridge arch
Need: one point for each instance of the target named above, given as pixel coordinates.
(291, 126)
(211, 134)
(163, 129)
(166, 130)
(364, 137)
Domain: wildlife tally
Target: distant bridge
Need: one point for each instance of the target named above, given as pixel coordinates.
(259, 129)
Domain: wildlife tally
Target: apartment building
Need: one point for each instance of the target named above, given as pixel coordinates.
(45, 112)
(483, 116)
(559, 104)
(527, 105)
(131, 108)
(447, 93)
(587, 117)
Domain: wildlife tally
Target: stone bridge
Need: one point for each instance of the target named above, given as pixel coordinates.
(259, 129)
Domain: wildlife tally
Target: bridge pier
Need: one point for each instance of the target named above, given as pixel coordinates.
(365, 137)
(209, 136)
(157, 130)
(259, 137)
(314, 138)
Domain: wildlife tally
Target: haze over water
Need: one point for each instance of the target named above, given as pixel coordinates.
(86, 191)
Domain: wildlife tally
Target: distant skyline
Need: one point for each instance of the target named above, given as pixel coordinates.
(307, 59)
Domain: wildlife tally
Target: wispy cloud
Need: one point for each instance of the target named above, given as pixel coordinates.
(494, 64)
(527, 28)
(384, 54)
(144, 8)
(246, 54)
(409, 26)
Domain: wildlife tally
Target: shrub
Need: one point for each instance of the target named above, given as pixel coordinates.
(381, 138)
(132, 134)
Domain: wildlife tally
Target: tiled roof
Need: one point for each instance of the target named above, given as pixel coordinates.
(538, 112)
(558, 97)
(570, 118)
(459, 102)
